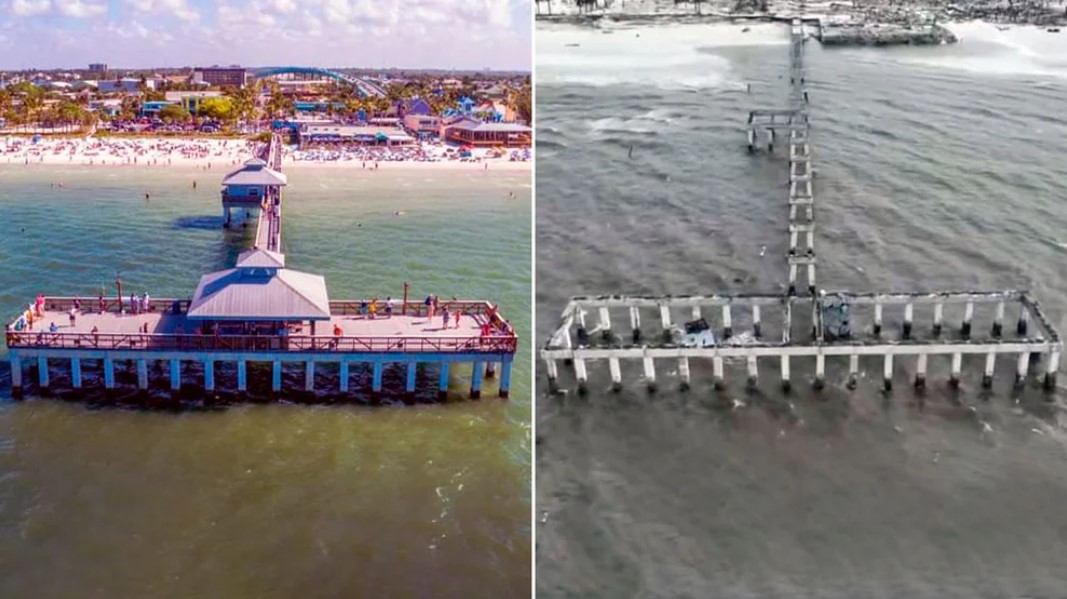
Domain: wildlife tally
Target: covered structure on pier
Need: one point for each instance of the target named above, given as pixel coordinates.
(260, 294)
(249, 186)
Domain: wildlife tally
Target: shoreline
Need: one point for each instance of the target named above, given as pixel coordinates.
(205, 154)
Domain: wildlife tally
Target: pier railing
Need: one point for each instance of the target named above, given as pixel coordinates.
(502, 340)
(289, 343)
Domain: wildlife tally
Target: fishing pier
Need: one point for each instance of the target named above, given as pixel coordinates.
(259, 316)
(743, 333)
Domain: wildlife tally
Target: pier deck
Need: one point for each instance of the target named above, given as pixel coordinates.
(166, 330)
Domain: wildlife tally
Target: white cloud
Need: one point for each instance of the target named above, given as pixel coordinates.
(79, 9)
(27, 8)
(176, 8)
(284, 6)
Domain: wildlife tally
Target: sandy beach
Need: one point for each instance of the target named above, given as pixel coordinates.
(209, 154)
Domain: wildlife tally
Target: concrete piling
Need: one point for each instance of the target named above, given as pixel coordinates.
(987, 374)
(887, 373)
(938, 317)
(957, 367)
(920, 371)
(998, 320)
(820, 370)
(109, 373)
(1050, 370)
(853, 371)
(968, 314)
(343, 375)
(727, 328)
(42, 373)
(309, 375)
(717, 373)
(142, 374)
(175, 369)
(683, 373)
(908, 314)
(582, 375)
(756, 332)
(443, 377)
(476, 380)
(877, 319)
(753, 371)
(616, 374)
(1024, 316)
(209, 375)
(410, 372)
(76, 372)
(650, 373)
(505, 379)
(550, 365)
(1023, 366)
(786, 384)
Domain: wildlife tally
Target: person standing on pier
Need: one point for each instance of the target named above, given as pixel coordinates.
(363, 308)
(429, 307)
(389, 306)
(73, 316)
(444, 318)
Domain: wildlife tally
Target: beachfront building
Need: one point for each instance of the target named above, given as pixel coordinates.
(190, 100)
(98, 68)
(468, 131)
(332, 136)
(422, 125)
(221, 76)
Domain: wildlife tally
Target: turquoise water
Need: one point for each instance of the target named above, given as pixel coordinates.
(268, 501)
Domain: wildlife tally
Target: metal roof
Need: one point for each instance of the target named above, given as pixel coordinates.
(265, 294)
(255, 172)
(471, 125)
(257, 258)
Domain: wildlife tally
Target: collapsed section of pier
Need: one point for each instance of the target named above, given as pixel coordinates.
(803, 324)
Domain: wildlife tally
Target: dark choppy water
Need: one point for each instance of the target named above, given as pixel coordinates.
(931, 174)
(272, 501)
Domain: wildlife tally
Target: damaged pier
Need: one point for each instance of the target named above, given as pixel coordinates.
(804, 325)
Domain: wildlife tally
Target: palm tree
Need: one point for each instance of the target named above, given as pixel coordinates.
(33, 104)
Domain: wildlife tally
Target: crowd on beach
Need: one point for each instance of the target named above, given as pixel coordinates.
(424, 152)
(225, 152)
(125, 151)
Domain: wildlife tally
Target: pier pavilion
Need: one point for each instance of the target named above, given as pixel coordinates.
(249, 186)
(260, 311)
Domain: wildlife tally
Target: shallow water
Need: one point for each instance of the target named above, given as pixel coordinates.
(268, 500)
(930, 176)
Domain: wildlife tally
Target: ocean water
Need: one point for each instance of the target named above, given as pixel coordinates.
(932, 173)
(274, 500)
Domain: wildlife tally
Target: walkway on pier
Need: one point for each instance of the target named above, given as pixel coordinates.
(269, 227)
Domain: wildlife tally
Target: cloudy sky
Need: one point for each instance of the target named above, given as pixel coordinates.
(462, 34)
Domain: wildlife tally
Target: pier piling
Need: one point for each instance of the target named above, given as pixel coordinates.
(442, 381)
(476, 380)
(616, 374)
(76, 372)
(42, 373)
